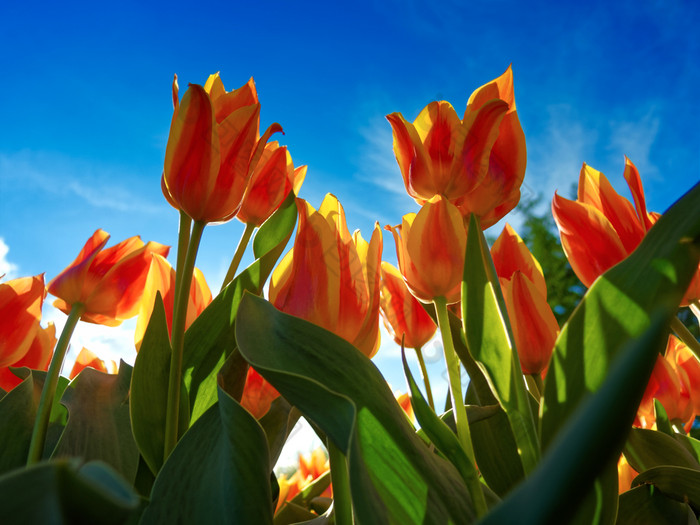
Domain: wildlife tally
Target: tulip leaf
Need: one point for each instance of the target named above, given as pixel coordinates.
(617, 307)
(691, 444)
(218, 472)
(64, 492)
(646, 449)
(210, 339)
(278, 423)
(590, 442)
(645, 506)
(662, 422)
(394, 477)
(490, 342)
(98, 426)
(149, 390)
(679, 483)
(436, 430)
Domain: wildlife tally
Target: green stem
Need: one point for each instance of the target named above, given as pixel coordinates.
(342, 499)
(183, 240)
(685, 336)
(240, 250)
(48, 392)
(532, 386)
(178, 338)
(426, 379)
(459, 410)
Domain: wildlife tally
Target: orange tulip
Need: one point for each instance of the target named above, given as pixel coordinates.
(430, 247)
(535, 328)
(161, 278)
(109, 282)
(273, 178)
(687, 365)
(404, 402)
(404, 317)
(258, 394)
(601, 228)
(310, 468)
(212, 149)
(477, 163)
(625, 475)
(20, 311)
(86, 358)
(37, 357)
(330, 277)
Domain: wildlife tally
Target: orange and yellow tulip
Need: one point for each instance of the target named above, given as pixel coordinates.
(477, 163)
(107, 282)
(37, 357)
(258, 394)
(404, 317)
(535, 328)
(310, 468)
(330, 277)
(273, 178)
(86, 358)
(161, 278)
(601, 228)
(213, 146)
(20, 312)
(430, 247)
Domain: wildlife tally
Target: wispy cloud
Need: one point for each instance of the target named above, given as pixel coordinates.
(635, 138)
(7, 268)
(97, 185)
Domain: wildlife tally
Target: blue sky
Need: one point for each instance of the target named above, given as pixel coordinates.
(85, 106)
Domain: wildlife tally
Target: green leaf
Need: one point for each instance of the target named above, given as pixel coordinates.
(679, 483)
(590, 442)
(646, 449)
(278, 423)
(691, 444)
(662, 421)
(149, 390)
(437, 431)
(490, 343)
(98, 425)
(218, 472)
(211, 339)
(61, 492)
(393, 476)
(645, 506)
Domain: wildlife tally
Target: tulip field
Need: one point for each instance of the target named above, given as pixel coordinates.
(592, 420)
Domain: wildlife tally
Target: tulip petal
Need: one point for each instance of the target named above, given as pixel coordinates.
(634, 182)
(20, 311)
(510, 254)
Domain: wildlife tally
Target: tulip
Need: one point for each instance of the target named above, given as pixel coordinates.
(625, 475)
(477, 163)
(37, 357)
(258, 394)
(310, 468)
(20, 311)
(430, 247)
(87, 358)
(404, 317)
(161, 278)
(213, 146)
(107, 283)
(601, 228)
(330, 277)
(404, 402)
(273, 178)
(535, 328)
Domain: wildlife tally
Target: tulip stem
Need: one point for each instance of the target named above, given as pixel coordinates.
(535, 385)
(183, 240)
(342, 499)
(426, 379)
(685, 336)
(459, 410)
(182, 286)
(48, 391)
(240, 250)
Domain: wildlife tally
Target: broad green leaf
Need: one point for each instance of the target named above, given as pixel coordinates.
(489, 340)
(277, 423)
(436, 430)
(681, 484)
(645, 506)
(617, 307)
(691, 444)
(63, 492)
(646, 449)
(98, 425)
(218, 472)
(590, 441)
(210, 339)
(149, 390)
(393, 476)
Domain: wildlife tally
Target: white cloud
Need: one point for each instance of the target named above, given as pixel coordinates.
(635, 138)
(7, 268)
